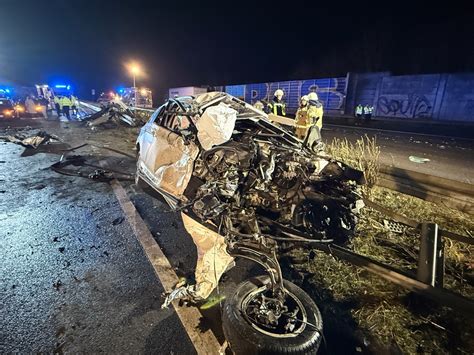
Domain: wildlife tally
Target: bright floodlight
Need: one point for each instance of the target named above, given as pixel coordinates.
(134, 69)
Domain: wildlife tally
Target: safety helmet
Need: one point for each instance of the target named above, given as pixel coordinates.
(313, 96)
(304, 98)
(279, 93)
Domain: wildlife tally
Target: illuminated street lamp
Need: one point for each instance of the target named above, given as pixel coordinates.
(134, 70)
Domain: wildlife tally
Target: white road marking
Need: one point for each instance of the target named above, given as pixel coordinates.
(393, 131)
(204, 342)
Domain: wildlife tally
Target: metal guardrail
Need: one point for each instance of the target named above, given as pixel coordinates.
(95, 106)
(91, 106)
(437, 294)
(454, 194)
(414, 224)
(429, 278)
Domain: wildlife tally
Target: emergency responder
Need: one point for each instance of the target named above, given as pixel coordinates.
(358, 111)
(315, 113)
(302, 121)
(371, 111)
(367, 112)
(259, 105)
(277, 106)
(74, 105)
(57, 104)
(65, 103)
(315, 110)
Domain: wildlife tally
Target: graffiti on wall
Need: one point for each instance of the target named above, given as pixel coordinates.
(331, 92)
(405, 106)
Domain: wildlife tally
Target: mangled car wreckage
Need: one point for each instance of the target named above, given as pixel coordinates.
(245, 187)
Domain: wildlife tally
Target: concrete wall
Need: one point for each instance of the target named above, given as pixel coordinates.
(407, 96)
(363, 89)
(447, 97)
(456, 98)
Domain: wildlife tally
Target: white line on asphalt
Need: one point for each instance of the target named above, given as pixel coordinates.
(399, 132)
(204, 342)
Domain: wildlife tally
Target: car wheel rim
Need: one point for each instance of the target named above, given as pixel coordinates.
(268, 316)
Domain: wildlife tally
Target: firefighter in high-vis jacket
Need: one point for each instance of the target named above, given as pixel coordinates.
(259, 105)
(302, 119)
(277, 106)
(315, 110)
(315, 113)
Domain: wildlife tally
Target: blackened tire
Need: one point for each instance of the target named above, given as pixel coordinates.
(245, 339)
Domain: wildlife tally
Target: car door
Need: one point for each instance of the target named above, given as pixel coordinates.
(147, 132)
(169, 159)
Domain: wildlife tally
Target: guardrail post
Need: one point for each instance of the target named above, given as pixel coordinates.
(431, 258)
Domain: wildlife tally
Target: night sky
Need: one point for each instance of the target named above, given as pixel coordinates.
(87, 43)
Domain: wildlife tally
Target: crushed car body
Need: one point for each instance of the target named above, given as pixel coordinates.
(223, 160)
(253, 185)
(115, 111)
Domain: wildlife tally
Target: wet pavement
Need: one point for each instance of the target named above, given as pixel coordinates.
(74, 278)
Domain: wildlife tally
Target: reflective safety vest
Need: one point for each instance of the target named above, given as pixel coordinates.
(315, 112)
(277, 107)
(65, 101)
(302, 121)
(359, 110)
(259, 105)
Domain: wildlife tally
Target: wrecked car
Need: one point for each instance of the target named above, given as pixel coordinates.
(246, 187)
(114, 111)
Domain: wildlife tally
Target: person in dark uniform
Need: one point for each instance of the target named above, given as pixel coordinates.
(277, 106)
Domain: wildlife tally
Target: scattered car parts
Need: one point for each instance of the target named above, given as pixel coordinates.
(33, 141)
(71, 166)
(115, 111)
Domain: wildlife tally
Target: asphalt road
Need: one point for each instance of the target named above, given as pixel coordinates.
(73, 276)
(75, 279)
(450, 158)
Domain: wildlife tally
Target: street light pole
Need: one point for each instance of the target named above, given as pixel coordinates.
(134, 70)
(135, 88)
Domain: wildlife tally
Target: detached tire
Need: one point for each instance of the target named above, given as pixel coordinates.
(245, 338)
